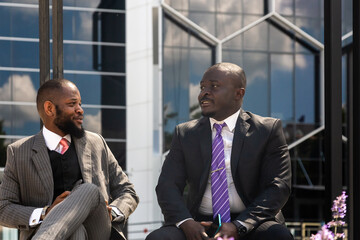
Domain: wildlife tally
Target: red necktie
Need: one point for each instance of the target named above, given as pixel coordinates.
(64, 144)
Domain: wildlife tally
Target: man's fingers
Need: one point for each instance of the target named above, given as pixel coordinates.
(204, 235)
(64, 194)
(206, 224)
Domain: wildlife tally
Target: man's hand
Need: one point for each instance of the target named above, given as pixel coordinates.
(109, 210)
(228, 230)
(193, 230)
(58, 200)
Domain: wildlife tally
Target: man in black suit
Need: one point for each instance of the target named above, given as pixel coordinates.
(257, 166)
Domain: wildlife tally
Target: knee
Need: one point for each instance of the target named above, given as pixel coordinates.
(90, 190)
(166, 233)
(154, 235)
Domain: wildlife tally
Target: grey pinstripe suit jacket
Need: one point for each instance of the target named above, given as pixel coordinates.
(28, 182)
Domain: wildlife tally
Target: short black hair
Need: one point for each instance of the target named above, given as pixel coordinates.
(47, 90)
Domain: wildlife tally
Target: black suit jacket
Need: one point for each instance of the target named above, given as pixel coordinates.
(260, 166)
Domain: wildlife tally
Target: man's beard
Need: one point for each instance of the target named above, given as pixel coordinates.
(67, 126)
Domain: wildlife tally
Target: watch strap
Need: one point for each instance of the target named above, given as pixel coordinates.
(241, 229)
(43, 212)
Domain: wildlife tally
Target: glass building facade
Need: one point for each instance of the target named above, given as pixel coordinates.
(94, 59)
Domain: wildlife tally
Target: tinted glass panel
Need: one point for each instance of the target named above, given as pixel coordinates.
(305, 88)
(107, 4)
(185, 60)
(19, 54)
(100, 90)
(119, 151)
(19, 22)
(93, 57)
(19, 120)
(17, 86)
(108, 122)
(4, 142)
(282, 86)
(94, 26)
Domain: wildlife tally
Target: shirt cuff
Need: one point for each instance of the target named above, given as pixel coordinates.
(181, 222)
(118, 216)
(248, 226)
(35, 217)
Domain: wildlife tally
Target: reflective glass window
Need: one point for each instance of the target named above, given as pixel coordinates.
(105, 4)
(305, 89)
(308, 17)
(94, 57)
(19, 22)
(94, 26)
(100, 89)
(185, 60)
(19, 120)
(108, 122)
(347, 15)
(19, 54)
(119, 151)
(4, 142)
(18, 86)
(282, 90)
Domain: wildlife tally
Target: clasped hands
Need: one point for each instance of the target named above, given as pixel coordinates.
(62, 197)
(197, 230)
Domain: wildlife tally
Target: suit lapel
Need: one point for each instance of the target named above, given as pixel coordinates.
(42, 163)
(205, 139)
(84, 156)
(241, 128)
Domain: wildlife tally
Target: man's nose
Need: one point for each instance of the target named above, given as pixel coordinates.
(80, 110)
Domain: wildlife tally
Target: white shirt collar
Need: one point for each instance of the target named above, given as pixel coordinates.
(230, 121)
(52, 139)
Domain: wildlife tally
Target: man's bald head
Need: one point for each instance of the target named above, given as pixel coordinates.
(233, 71)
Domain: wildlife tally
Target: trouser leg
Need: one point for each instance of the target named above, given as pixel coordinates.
(85, 206)
(79, 234)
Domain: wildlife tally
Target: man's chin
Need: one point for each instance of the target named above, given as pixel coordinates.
(207, 114)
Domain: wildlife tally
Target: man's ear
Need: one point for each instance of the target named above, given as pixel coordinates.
(49, 109)
(240, 93)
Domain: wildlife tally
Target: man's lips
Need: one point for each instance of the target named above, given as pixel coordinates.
(205, 102)
(79, 119)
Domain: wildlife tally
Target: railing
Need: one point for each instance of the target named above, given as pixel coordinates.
(300, 230)
(303, 230)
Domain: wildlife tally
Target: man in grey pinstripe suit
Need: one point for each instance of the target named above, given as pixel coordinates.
(64, 182)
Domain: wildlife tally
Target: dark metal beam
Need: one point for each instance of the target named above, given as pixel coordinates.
(44, 41)
(333, 108)
(355, 186)
(57, 36)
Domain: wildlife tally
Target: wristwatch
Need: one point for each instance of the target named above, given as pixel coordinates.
(43, 212)
(241, 229)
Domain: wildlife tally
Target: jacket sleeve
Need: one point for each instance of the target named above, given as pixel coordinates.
(121, 189)
(171, 184)
(12, 213)
(274, 182)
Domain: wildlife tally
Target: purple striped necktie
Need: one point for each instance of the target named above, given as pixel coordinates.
(219, 187)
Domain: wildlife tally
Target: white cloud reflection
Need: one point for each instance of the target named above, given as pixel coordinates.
(18, 88)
